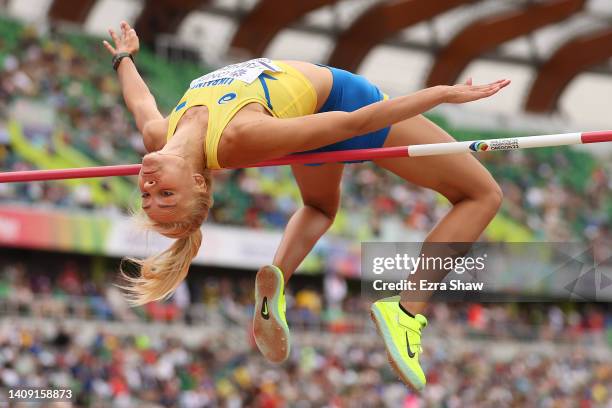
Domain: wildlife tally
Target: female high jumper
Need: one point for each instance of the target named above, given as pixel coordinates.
(262, 109)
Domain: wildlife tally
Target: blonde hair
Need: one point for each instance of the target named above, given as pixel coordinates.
(161, 274)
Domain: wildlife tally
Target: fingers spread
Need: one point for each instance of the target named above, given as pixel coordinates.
(108, 47)
(113, 35)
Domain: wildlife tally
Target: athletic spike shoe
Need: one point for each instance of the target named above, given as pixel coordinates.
(269, 324)
(402, 336)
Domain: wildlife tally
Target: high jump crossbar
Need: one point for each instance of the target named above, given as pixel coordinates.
(431, 149)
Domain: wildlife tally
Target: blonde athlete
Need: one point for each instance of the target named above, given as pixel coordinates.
(264, 109)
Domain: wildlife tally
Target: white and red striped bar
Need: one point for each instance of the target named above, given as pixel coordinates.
(512, 143)
(432, 149)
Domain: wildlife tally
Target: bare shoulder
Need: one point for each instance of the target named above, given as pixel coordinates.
(154, 134)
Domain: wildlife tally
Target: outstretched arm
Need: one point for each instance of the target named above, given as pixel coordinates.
(136, 94)
(266, 137)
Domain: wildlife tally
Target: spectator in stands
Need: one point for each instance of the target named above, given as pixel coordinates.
(86, 99)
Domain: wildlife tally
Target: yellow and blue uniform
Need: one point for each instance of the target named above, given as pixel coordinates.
(350, 92)
(283, 91)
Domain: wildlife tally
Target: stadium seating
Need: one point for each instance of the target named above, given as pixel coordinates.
(69, 291)
(78, 336)
(91, 126)
(64, 325)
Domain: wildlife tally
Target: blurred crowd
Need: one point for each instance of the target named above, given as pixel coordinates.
(138, 369)
(551, 194)
(59, 85)
(312, 305)
(561, 194)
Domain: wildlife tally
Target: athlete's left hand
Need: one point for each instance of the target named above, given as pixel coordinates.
(127, 42)
(468, 92)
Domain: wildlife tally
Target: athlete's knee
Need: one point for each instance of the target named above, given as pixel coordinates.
(327, 209)
(496, 197)
(329, 213)
(487, 192)
(491, 196)
(326, 201)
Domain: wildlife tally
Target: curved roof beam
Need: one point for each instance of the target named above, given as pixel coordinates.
(163, 16)
(267, 18)
(490, 32)
(68, 10)
(563, 66)
(381, 21)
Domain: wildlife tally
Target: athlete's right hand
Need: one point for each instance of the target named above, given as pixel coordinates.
(127, 42)
(467, 92)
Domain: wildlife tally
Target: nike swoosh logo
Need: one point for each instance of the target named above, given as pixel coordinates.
(265, 313)
(410, 353)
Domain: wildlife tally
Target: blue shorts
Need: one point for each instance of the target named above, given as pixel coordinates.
(350, 92)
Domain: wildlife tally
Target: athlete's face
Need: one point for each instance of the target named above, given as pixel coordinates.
(167, 184)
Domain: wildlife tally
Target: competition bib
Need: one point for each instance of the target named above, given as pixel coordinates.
(246, 72)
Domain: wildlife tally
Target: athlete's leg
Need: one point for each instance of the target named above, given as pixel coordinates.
(320, 190)
(476, 198)
(461, 178)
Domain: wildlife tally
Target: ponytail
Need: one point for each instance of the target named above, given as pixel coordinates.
(161, 274)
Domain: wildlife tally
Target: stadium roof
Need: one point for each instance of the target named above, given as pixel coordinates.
(543, 45)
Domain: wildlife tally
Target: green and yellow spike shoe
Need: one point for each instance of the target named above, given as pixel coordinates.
(402, 336)
(269, 324)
